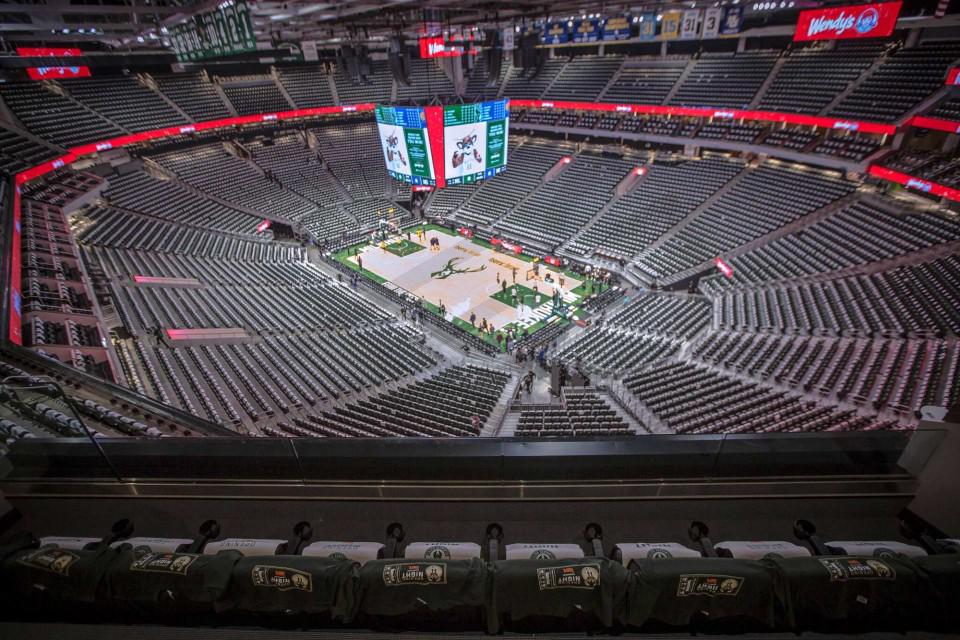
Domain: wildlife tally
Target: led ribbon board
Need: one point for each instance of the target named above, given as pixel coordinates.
(53, 73)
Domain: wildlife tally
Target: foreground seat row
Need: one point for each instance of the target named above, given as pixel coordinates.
(741, 586)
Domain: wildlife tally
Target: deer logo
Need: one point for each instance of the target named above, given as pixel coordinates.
(450, 269)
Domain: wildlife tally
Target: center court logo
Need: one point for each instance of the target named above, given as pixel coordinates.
(450, 269)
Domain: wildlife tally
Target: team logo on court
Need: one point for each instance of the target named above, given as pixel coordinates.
(419, 573)
(450, 269)
(843, 569)
(659, 553)
(574, 576)
(336, 555)
(163, 562)
(708, 585)
(883, 552)
(542, 554)
(281, 578)
(438, 552)
(53, 560)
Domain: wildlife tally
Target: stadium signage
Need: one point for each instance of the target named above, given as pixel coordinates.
(555, 33)
(263, 226)
(840, 23)
(51, 73)
(586, 31)
(616, 28)
(508, 246)
(554, 260)
(917, 183)
(188, 129)
(912, 182)
(953, 76)
(724, 268)
(435, 47)
(699, 112)
(849, 126)
(950, 126)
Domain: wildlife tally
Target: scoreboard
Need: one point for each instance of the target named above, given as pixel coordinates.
(405, 144)
(475, 140)
(439, 145)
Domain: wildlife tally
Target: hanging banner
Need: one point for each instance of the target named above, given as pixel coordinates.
(309, 48)
(616, 28)
(556, 33)
(852, 21)
(648, 26)
(732, 20)
(690, 26)
(507, 39)
(586, 31)
(670, 25)
(711, 22)
(222, 32)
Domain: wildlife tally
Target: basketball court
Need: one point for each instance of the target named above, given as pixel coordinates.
(466, 276)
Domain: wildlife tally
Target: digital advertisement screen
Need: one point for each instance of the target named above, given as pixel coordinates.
(403, 138)
(53, 73)
(851, 21)
(475, 141)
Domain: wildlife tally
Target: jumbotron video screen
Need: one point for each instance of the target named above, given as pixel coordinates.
(475, 140)
(406, 149)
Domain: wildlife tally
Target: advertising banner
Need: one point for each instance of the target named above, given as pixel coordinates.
(53, 73)
(852, 21)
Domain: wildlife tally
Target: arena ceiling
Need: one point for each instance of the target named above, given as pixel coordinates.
(124, 23)
(140, 24)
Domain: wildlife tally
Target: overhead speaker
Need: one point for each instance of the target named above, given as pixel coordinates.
(528, 51)
(364, 63)
(349, 62)
(539, 59)
(493, 55)
(399, 59)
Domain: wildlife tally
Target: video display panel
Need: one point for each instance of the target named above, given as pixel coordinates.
(475, 140)
(406, 150)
